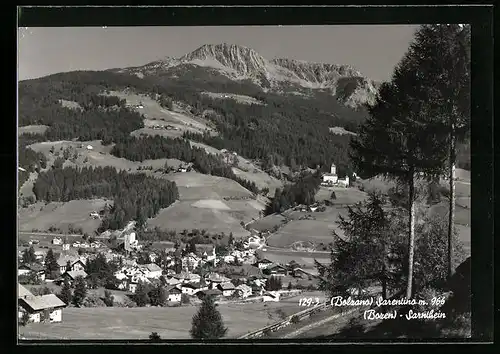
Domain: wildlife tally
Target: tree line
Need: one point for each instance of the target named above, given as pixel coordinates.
(157, 147)
(136, 196)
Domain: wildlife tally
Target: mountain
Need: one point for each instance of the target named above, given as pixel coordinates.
(281, 75)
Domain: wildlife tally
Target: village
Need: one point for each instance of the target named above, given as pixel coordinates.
(184, 277)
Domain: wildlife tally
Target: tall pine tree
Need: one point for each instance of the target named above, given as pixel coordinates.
(361, 256)
(51, 265)
(80, 291)
(442, 54)
(398, 141)
(65, 294)
(207, 322)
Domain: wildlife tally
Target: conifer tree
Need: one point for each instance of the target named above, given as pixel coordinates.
(442, 55)
(141, 295)
(51, 265)
(207, 322)
(80, 291)
(65, 294)
(29, 255)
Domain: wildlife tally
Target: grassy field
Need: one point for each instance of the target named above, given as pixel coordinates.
(200, 215)
(33, 129)
(169, 322)
(26, 189)
(318, 231)
(305, 259)
(40, 216)
(344, 196)
(196, 186)
(301, 230)
(268, 222)
(152, 110)
(237, 98)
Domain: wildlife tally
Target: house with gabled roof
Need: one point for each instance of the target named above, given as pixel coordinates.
(189, 288)
(36, 268)
(73, 274)
(152, 270)
(215, 293)
(174, 294)
(263, 263)
(276, 270)
(227, 288)
(39, 308)
(243, 291)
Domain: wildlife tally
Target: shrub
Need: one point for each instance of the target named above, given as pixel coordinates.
(93, 301)
(266, 332)
(185, 299)
(295, 319)
(108, 298)
(154, 336)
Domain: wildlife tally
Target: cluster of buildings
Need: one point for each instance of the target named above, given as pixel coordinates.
(332, 179)
(239, 274)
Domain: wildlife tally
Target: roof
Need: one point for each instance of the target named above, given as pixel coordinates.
(264, 260)
(64, 259)
(173, 290)
(227, 286)
(22, 291)
(152, 267)
(75, 273)
(190, 285)
(35, 267)
(43, 302)
(211, 292)
(244, 287)
(271, 294)
(276, 266)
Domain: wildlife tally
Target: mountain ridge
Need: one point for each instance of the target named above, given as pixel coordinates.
(239, 62)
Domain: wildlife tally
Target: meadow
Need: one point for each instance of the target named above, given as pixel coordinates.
(168, 322)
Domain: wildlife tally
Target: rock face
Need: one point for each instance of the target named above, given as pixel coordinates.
(241, 63)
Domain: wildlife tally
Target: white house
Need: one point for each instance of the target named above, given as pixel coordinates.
(331, 178)
(57, 241)
(343, 182)
(174, 294)
(229, 259)
(243, 291)
(263, 263)
(152, 270)
(48, 307)
(189, 289)
(36, 268)
(89, 147)
(227, 289)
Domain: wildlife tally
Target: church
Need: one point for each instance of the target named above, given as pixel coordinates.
(331, 178)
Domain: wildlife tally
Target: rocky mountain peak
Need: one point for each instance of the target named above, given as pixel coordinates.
(243, 60)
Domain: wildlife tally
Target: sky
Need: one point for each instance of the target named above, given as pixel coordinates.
(373, 50)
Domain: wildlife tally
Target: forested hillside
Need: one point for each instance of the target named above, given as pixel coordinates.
(136, 196)
(287, 127)
(29, 160)
(140, 149)
(301, 192)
